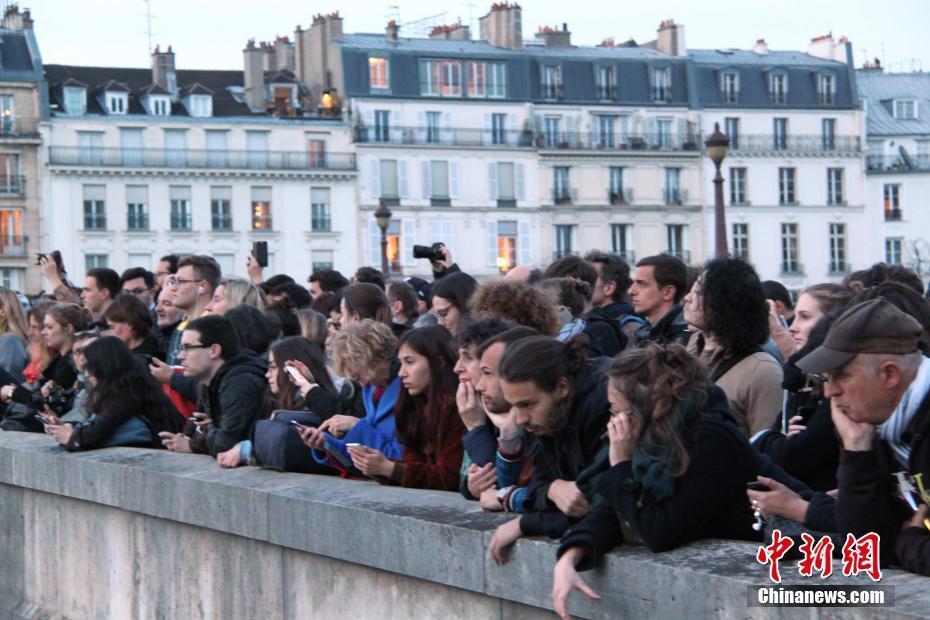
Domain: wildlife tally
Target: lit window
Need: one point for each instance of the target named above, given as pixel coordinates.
(378, 71)
(261, 208)
(506, 246)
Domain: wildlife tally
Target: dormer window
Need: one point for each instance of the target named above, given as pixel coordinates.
(826, 89)
(117, 103)
(75, 100)
(905, 109)
(158, 106)
(378, 73)
(201, 105)
(778, 88)
(606, 84)
(729, 87)
(662, 85)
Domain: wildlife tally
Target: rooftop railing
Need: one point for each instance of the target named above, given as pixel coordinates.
(188, 158)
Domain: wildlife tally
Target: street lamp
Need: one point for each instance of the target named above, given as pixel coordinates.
(383, 217)
(717, 144)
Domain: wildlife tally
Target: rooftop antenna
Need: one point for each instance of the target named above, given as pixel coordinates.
(393, 13)
(148, 27)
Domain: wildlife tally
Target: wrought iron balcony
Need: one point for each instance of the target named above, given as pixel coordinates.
(190, 158)
(797, 144)
(675, 196)
(564, 195)
(621, 197)
(13, 245)
(443, 136)
(11, 127)
(601, 141)
(12, 185)
(897, 163)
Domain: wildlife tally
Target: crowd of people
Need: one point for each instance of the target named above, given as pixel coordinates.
(600, 403)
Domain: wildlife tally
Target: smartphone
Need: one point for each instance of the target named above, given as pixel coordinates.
(783, 321)
(757, 486)
(299, 425)
(260, 252)
(39, 257)
(353, 445)
(42, 420)
(294, 373)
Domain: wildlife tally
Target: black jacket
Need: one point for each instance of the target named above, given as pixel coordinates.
(347, 402)
(60, 370)
(604, 332)
(709, 499)
(565, 455)
(89, 436)
(868, 498)
(148, 348)
(233, 400)
(671, 329)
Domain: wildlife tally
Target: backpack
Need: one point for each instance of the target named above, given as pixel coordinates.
(276, 444)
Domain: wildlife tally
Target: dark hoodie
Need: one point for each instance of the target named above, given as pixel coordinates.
(671, 329)
(149, 348)
(564, 455)
(233, 400)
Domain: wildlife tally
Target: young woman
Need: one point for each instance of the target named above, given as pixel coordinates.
(129, 320)
(678, 466)
(428, 424)
(128, 404)
(364, 301)
(451, 299)
(557, 396)
(313, 326)
(39, 353)
(234, 292)
(814, 302)
(727, 305)
(13, 335)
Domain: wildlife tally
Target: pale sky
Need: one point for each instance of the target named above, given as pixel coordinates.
(210, 34)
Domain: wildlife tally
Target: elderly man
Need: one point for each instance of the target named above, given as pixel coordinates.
(878, 383)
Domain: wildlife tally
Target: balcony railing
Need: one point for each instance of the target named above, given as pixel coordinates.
(893, 215)
(188, 158)
(564, 195)
(550, 91)
(661, 94)
(596, 141)
(801, 144)
(675, 196)
(453, 136)
(621, 197)
(14, 245)
(18, 127)
(897, 163)
(12, 185)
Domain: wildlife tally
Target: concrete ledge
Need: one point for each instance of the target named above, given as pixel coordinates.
(145, 533)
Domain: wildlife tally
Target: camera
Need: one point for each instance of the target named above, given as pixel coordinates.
(59, 400)
(429, 252)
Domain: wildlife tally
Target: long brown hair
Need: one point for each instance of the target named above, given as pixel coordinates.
(306, 351)
(656, 380)
(12, 319)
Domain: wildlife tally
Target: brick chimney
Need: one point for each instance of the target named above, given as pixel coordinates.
(284, 57)
(553, 37)
(391, 31)
(315, 62)
(761, 47)
(825, 46)
(254, 76)
(163, 72)
(671, 38)
(455, 31)
(503, 25)
(14, 20)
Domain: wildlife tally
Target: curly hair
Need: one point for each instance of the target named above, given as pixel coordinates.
(520, 302)
(570, 292)
(361, 345)
(735, 311)
(656, 380)
(880, 272)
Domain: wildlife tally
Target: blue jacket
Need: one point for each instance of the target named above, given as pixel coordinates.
(375, 430)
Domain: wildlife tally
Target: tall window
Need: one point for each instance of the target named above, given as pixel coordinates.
(10, 180)
(826, 89)
(780, 134)
(201, 106)
(506, 245)
(256, 144)
(498, 128)
(664, 133)
(662, 85)
(778, 88)
(12, 242)
(606, 137)
(835, 186)
(675, 241)
(741, 241)
(393, 246)
(261, 208)
(137, 207)
(606, 84)
(732, 129)
(615, 186)
(117, 103)
(439, 182)
(316, 150)
(563, 240)
(382, 125)
(551, 82)
(161, 106)
(892, 199)
(181, 215)
(443, 78)
(176, 147)
(738, 186)
(894, 250)
(485, 79)
(432, 127)
(786, 186)
(321, 259)
(620, 235)
(838, 248)
(221, 208)
(673, 193)
(828, 129)
(560, 189)
(497, 80)
(75, 101)
(789, 249)
(506, 184)
(553, 131)
(95, 214)
(389, 184)
(319, 209)
(729, 87)
(378, 73)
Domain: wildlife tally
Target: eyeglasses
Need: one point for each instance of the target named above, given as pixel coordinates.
(184, 348)
(176, 282)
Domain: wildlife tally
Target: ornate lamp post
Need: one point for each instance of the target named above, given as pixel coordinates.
(717, 144)
(383, 217)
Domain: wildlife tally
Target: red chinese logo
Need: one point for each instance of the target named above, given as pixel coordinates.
(817, 556)
(773, 553)
(860, 555)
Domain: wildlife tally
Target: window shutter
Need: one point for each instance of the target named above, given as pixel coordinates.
(422, 127)
(407, 239)
(519, 180)
(492, 177)
(376, 178)
(402, 178)
(524, 243)
(487, 138)
(446, 128)
(453, 179)
(427, 180)
(448, 233)
(492, 243)
(435, 231)
(374, 244)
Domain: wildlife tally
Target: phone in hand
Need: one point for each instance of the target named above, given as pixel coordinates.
(299, 425)
(260, 252)
(757, 486)
(294, 373)
(42, 420)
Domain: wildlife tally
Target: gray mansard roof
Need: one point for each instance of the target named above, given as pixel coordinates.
(695, 78)
(881, 89)
(19, 56)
